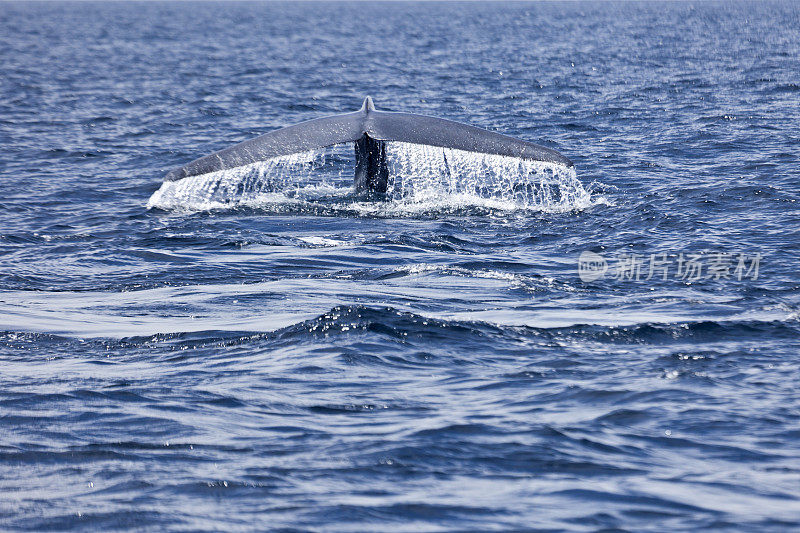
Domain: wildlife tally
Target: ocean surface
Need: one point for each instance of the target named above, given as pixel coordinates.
(501, 346)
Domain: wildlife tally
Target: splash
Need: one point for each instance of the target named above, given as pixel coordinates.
(423, 179)
(291, 178)
(421, 174)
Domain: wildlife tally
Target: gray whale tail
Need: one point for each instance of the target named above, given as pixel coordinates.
(369, 129)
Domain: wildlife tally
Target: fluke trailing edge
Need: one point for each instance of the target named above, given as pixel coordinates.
(369, 129)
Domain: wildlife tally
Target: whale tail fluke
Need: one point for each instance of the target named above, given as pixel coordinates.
(369, 129)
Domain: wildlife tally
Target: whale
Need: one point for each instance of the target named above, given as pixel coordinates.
(369, 130)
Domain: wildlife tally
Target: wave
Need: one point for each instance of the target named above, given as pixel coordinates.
(399, 324)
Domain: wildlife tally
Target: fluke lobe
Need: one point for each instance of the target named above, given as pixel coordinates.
(369, 129)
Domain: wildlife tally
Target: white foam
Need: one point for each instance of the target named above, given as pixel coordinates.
(322, 241)
(423, 179)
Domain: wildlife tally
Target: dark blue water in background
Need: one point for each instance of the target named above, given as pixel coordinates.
(310, 366)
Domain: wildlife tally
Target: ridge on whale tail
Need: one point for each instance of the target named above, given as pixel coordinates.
(369, 129)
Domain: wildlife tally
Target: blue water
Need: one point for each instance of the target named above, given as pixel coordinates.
(305, 359)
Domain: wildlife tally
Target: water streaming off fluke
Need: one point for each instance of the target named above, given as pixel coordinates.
(420, 177)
